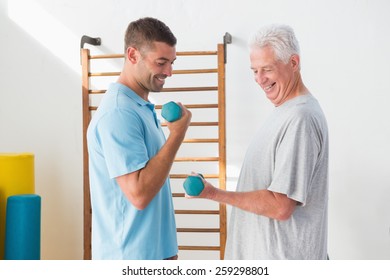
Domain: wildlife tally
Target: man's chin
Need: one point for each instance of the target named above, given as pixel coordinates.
(156, 89)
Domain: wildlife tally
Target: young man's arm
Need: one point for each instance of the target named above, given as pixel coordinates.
(141, 186)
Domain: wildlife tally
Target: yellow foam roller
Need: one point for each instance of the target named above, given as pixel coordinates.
(16, 177)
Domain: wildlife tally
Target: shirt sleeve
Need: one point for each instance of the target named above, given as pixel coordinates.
(121, 136)
(296, 158)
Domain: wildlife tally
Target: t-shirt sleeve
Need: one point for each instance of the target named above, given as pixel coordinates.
(121, 136)
(296, 158)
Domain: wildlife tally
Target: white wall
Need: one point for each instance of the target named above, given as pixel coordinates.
(345, 63)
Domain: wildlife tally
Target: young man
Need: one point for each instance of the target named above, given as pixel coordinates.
(129, 157)
(280, 209)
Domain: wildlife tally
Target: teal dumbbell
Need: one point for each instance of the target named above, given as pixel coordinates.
(171, 111)
(193, 185)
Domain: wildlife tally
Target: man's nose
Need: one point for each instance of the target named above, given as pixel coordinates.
(260, 78)
(168, 70)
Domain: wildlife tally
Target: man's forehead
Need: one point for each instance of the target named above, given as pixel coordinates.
(262, 60)
(162, 50)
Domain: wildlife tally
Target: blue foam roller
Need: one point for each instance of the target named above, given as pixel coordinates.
(193, 185)
(171, 111)
(23, 227)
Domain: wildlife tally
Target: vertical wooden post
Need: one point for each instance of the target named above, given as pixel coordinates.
(222, 143)
(86, 119)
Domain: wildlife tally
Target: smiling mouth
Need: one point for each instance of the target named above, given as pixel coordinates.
(161, 79)
(267, 88)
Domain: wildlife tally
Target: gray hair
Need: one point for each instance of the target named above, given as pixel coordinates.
(279, 37)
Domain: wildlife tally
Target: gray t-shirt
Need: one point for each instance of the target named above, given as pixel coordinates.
(289, 155)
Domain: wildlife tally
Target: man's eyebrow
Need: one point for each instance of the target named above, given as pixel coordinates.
(262, 67)
(165, 59)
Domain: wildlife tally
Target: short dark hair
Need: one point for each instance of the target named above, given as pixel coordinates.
(145, 31)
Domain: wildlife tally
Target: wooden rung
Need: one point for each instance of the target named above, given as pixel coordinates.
(190, 106)
(178, 195)
(187, 53)
(201, 106)
(198, 230)
(94, 108)
(103, 56)
(200, 248)
(204, 124)
(194, 106)
(189, 89)
(103, 74)
(179, 89)
(177, 72)
(97, 91)
(195, 71)
(196, 159)
(201, 140)
(184, 176)
(197, 212)
(199, 124)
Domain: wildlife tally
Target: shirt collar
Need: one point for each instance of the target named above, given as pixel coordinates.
(131, 94)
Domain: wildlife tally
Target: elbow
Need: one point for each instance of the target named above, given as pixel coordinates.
(283, 214)
(138, 200)
(285, 209)
(139, 203)
(134, 192)
(139, 206)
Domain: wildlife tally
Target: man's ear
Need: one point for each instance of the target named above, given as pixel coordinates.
(132, 54)
(295, 61)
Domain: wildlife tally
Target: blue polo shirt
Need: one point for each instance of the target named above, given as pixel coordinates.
(123, 135)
